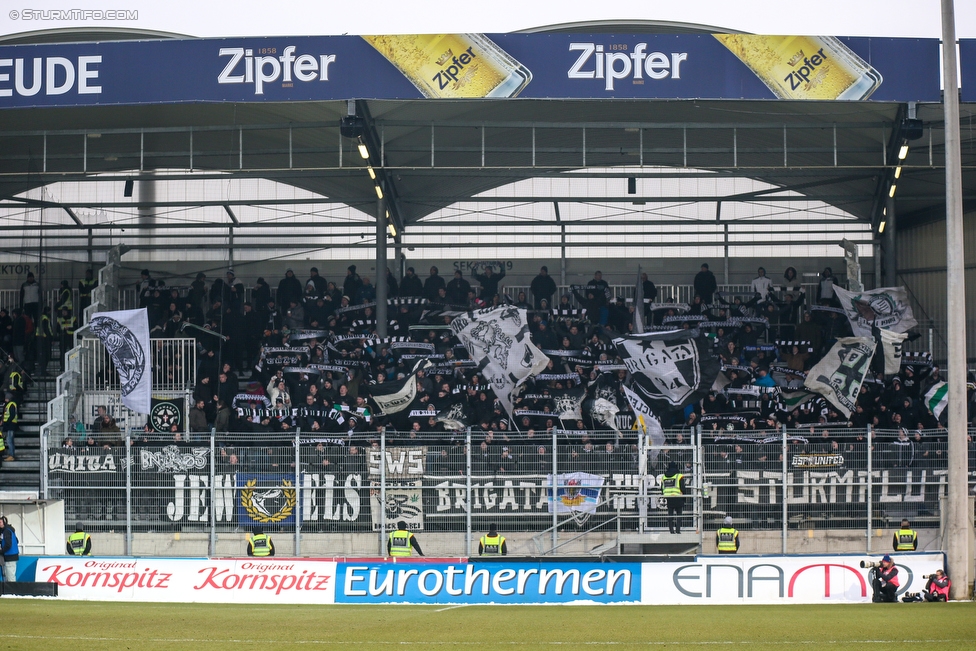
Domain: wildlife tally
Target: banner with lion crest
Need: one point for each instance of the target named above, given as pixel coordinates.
(125, 335)
(266, 499)
(498, 339)
(886, 308)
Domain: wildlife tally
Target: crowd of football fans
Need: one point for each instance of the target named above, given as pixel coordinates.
(304, 354)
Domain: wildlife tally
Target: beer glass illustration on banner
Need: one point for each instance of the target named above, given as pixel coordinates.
(805, 67)
(454, 66)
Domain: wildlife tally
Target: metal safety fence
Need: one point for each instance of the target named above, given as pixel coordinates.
(563, 492)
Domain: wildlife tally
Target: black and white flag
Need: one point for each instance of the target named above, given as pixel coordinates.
(455, 417)
(839, 375)
(891, 345)
(125, 335)
(646, 420)
(395, 396)
(498, 339)
(671, 369)
(886, 308)
(568, 403)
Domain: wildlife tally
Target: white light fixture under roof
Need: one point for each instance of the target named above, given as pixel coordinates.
(372, 172)
(379, 191)
(898, 172)
(891, 192)
(363, 150)
(881, 227)
(903, 152)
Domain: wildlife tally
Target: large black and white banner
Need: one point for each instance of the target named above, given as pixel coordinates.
(671, 369)
(125, 335)
(839, 375)
(892, 344)
(498, 339)
(886, 308)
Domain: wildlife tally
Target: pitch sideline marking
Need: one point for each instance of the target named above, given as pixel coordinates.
(466, 643)
(440, 610)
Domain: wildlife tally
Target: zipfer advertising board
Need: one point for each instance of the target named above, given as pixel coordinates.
(703, 580)
(470, 66)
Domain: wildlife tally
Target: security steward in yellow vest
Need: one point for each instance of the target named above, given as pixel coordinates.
(260, 544)
(10, 425)
(66, 326)
(727, 538)
(402, 542)
(79, 543)
(905, 539)
(492, 544)
(85, 287)
(673, 486)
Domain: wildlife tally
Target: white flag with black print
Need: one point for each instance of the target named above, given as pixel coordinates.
(125, 335)
(498, 340)
(886, 308)
(839, 375)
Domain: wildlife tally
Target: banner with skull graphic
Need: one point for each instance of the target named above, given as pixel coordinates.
(125, 335)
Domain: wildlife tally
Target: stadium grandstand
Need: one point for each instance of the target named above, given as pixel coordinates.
(319, 279)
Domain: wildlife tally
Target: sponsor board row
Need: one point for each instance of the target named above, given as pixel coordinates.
(703, 580)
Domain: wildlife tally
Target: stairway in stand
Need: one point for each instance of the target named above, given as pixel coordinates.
(24, 474)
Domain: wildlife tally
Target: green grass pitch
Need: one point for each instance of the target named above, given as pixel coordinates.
(52, 625)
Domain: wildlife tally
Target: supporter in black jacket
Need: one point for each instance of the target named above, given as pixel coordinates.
(543, 287)
(289, 289)
(433, 283)
(411, 285)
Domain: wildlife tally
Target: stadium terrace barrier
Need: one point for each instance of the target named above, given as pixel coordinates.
(704, 580)
(330, 494)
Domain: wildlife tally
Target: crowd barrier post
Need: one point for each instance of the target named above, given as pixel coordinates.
(467, 504)
(869, 503)
(298, 495)
(212, 547)
(382, 504)
(128, 490)
(552, 494)
(642, 483)
(785, 493)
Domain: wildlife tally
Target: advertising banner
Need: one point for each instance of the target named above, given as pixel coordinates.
(471, 66)
(490, 583)
(183, 580)
(778, 579)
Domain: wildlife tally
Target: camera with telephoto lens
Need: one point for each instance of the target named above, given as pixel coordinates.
(870, 564)
(930, 576)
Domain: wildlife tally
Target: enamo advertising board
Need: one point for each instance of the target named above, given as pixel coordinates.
(704, 580)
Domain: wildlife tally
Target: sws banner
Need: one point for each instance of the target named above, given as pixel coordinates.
(470, 66)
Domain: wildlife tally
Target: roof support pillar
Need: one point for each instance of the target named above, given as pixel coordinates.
(381, 288)
(959, 519)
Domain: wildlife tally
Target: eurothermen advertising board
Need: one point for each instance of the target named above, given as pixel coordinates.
(470, 66)
(701, 580)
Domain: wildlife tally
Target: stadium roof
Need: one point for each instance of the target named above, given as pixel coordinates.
(441, 153)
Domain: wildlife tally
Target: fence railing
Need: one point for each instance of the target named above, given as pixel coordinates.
(790, 490)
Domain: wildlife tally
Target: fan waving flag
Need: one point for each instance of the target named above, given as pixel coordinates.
(937, 398)
(125, 335)
(839, 375)
(886, 308)
(498, 340)
(393, 397)
(669, 370)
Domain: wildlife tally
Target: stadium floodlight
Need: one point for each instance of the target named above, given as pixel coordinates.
(891, 192)
(372, 172)
(379, 191)
(903, 152)
(363, 150)
(881, 227)
(898, 172)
